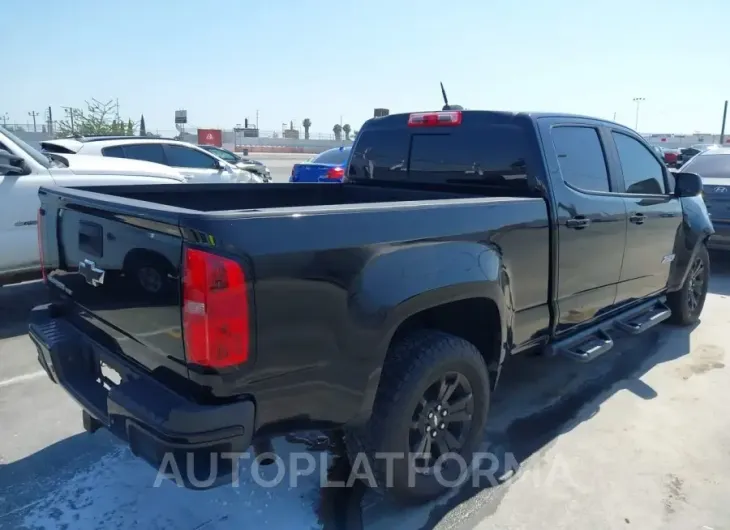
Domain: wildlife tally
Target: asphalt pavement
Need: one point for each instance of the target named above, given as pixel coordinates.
(280, 164)
(636, 439)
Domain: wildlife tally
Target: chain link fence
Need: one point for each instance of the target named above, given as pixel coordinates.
(239, 139)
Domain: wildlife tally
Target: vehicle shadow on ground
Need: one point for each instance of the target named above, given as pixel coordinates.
(16, 301)
(538, 400)
(88, 482)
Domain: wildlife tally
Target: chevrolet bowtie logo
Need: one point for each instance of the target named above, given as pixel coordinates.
(91, 274)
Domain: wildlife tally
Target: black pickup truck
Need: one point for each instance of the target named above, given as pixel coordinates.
(204, 319)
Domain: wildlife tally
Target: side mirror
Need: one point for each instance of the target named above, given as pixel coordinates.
(687, 184)
(11, 164)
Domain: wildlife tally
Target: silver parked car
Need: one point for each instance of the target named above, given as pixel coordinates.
(242, 162)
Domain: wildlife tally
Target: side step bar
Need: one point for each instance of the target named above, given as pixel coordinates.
(589, 344)
(643, 321)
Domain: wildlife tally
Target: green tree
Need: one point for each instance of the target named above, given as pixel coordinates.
(337, 129)
(307, 123)
(347, 130)
(130, 128)
(99, 118)
(142, 128)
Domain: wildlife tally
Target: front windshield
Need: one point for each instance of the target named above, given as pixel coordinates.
(225, 155)
(31, 151)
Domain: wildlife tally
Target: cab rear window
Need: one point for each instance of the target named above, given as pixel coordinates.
(494, 154)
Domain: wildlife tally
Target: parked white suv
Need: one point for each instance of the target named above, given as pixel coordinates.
(23, 169)
(193, 162)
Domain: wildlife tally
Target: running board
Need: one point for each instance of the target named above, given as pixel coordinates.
(644, 321)
(591, 343)
(589, 348)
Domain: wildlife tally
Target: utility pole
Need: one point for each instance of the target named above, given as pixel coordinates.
(70, 113)
(722, 130)
(614, 116)
(257, 119)
(4, 117)
(50, 121)
(638, 104)
(33, 114)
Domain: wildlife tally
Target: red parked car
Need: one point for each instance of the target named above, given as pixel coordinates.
(670, 156)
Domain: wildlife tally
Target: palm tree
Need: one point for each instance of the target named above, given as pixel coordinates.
(307, 123)
(347, 130)
(337, 129)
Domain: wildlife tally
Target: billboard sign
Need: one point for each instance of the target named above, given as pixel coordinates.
(210, 137)
(181, 117)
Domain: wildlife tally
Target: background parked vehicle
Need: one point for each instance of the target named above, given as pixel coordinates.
(328, 166)
(670, 156)
(23, 169)
(686, 153)
(195, 163)
(713, 165)
(241, 162)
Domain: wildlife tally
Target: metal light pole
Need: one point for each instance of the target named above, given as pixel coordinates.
(638, 104)
(70, 113)
(33, 115)
(4, 117)
(722, 129)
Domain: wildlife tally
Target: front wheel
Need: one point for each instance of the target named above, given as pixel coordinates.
(687, 303)
(428, 417)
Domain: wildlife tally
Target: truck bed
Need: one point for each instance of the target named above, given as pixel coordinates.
(326, 267)
(230, 197)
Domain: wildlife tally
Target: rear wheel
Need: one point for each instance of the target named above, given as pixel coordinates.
(428, 416)
(687, 303)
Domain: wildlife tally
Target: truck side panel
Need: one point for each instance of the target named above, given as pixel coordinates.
(341, 283)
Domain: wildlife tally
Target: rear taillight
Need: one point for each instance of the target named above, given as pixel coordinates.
(435, 119)
(215, 310)
(293, 175)
(39, 225)
(335, 173)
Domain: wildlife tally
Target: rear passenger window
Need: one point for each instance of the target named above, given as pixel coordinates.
(116, 151)
(581, 158)
(148, 152)
(643, 174)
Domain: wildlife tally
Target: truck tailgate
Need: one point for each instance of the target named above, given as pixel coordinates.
(117, 274)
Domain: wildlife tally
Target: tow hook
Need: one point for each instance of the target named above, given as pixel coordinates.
(264, 447)
(91, 425)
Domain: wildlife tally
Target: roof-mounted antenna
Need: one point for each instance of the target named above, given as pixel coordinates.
(446, 101)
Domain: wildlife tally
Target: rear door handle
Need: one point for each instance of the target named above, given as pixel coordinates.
(578, 222)
(637, 218)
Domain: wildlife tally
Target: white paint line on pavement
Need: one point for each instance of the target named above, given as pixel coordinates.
(22, 378)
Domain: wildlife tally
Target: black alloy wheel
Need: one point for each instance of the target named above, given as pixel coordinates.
(442, 420)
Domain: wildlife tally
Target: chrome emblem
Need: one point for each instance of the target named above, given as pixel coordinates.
(93, 275)
(720, 189)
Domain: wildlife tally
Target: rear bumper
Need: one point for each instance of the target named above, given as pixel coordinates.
(194, 444)
(720, 240)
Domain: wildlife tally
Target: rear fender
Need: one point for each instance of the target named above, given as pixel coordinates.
(408, 280)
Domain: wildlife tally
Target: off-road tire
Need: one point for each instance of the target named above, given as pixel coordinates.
(679, 301)
(412, 364)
